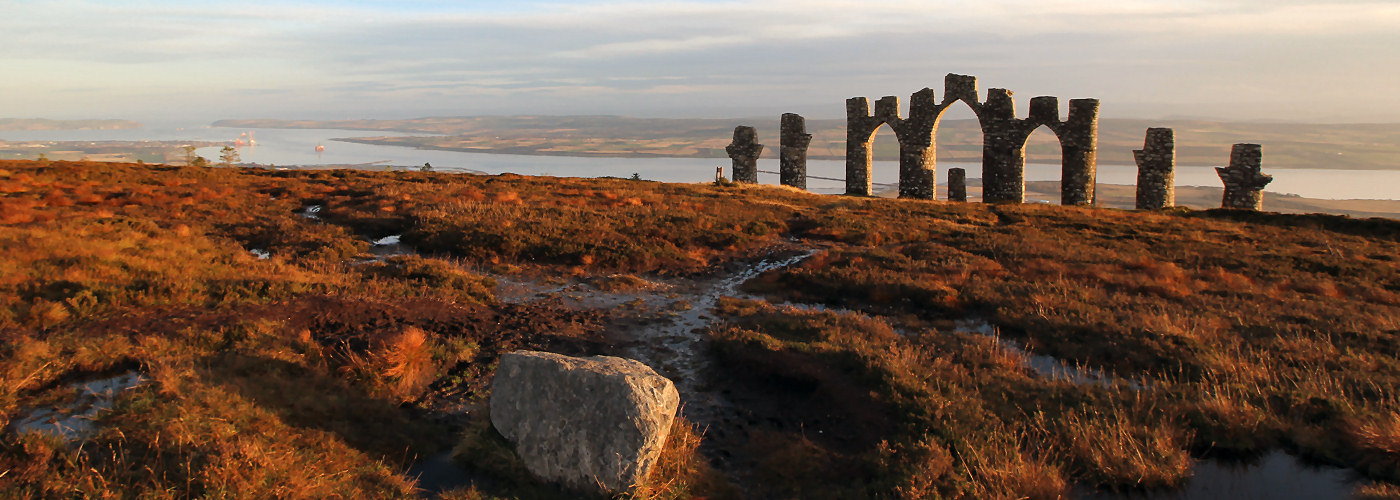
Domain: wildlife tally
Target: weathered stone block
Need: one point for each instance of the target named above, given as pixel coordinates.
(594, 423)
(957, 184)
(792, 157)
(1244, 182)
(860, 127)
(960, 87)
(1079, 147)
(1156, 161)
(744, 150)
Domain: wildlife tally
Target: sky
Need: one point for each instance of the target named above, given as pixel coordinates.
(1277, 60)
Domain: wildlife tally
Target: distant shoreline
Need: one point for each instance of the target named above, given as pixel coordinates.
(1198, 143)
(525, 151)
(45, 124)
(1117, 196)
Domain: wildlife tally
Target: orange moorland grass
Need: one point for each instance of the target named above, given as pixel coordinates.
(251, 393)
(1293, 323)
(982, 431)
(1244, 331)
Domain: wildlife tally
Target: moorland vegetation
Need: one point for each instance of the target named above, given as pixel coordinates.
(324, 370)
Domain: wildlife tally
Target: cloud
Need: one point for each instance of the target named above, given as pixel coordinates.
(465, 57)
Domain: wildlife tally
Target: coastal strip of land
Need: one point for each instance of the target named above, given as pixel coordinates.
(110, 151)
(1198, 143)
(33, 124)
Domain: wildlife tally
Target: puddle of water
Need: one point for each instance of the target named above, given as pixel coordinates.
(669, 333)
(73, 420)
(439, 473)
(312, 212)
(1276, 476)
(390, 246)
(1045, 365)
(680, 342)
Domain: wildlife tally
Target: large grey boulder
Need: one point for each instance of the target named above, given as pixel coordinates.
(594, 423)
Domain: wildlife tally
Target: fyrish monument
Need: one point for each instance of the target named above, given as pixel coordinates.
(1004, 139)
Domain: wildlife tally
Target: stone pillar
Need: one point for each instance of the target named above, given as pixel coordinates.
(957, 185)
(744, 151)
(1156, 161)
(1244, 183)
(860, 129)
(917, 160)
(792, 158)
(915, 177)
(1003, 150)
(1079, 146)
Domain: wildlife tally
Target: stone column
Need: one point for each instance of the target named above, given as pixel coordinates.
(744, 151)
(1156, 161)
(792, 158)
(860, 128)
(1003, 150)
(917, 160)
(1079, 146)
(915, 177)
(957, 185)
(1244, 183)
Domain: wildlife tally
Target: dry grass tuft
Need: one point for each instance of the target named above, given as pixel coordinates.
(1377, 491)
(1381, 435)
(681, 471)
(408, 362)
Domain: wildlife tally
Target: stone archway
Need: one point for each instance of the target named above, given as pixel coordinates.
(1004, 139)
(915, 136)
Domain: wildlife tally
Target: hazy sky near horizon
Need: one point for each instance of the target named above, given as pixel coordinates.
(1292, 60)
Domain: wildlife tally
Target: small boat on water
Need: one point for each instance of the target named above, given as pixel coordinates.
(245, 139)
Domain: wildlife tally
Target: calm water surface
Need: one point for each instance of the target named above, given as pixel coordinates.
(298, 147)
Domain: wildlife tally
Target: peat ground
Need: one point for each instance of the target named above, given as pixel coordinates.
(282, 355)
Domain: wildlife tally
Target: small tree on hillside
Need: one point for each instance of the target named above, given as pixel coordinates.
(228, 156)
(189, 154)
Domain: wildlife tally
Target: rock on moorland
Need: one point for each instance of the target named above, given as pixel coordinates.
(594, 423)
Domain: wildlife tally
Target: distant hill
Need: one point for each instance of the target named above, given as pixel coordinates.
(1199, 143)
(14, 124)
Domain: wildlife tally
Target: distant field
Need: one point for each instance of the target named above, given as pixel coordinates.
(1199, 143)
(1204, 198)
(46, 124)
(115, 151)
(1193, 197)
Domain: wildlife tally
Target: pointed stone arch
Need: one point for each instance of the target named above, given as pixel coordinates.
(1004, 139)
(1079, 145)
